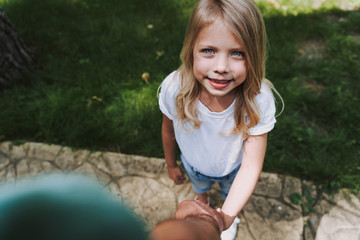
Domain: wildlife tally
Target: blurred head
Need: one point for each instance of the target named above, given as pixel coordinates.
(64, 207)
(189, 229)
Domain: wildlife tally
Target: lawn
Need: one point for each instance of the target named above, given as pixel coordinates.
(87, 88)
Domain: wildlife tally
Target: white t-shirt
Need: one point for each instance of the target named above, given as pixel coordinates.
(207, 149)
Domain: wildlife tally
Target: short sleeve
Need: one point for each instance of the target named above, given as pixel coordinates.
(266, 104)
(169, 88)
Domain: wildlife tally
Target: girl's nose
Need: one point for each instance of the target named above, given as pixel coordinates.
(221, 64)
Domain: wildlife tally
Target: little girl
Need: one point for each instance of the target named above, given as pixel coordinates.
(218, 106)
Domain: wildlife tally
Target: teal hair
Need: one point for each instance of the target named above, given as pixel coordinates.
(65, 207)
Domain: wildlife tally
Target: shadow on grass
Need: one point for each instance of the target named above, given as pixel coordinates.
(88, 92)
(88, 50)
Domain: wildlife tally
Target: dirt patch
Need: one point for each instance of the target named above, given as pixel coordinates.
(356, 38)
(312, 49)
(332, 19)
(314, 86)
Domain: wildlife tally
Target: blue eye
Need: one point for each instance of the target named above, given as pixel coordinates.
(208, 51)
(238, 54)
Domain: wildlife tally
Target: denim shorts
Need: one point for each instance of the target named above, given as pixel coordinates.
(202, 183)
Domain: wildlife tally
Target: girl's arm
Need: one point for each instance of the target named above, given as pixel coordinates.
(246, 179)
(169, 145)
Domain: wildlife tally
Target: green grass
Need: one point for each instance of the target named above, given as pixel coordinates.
(87, 92)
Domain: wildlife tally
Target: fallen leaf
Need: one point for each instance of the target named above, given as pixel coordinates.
(145, 76)
(159, 54)
(97, 99)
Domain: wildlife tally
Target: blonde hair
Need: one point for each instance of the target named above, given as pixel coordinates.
(244, 20)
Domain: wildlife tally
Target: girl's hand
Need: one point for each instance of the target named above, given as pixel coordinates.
(176, 175)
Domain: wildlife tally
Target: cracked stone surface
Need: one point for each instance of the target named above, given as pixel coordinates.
(143, 184)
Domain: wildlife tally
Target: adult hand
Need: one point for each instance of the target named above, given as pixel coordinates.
(228, 220)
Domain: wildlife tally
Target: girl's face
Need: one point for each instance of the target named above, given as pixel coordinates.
(219, 60)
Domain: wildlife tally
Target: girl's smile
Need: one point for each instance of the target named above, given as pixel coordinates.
(219, 63)
(219, 84)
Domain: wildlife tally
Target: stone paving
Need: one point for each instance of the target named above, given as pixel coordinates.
(282, 207)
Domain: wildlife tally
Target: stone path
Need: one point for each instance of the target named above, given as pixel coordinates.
(282, 207)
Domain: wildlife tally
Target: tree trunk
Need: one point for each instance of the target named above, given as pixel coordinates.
(15, 57)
